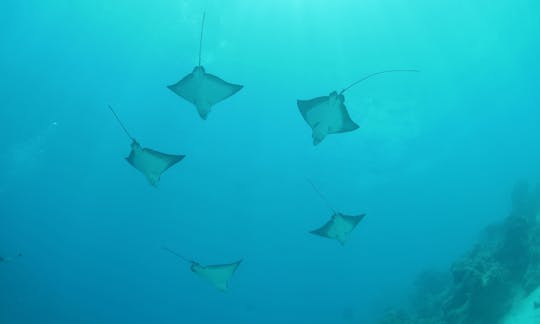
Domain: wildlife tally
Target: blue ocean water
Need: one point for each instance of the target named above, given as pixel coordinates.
(433, 163)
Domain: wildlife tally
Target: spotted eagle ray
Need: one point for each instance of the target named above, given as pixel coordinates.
(149, 162)
(217, 275)
(328, 114)
(203, 89)
(340, 226)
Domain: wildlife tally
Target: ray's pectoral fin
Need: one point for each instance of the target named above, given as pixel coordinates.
(217, 89)
(347, 124)
(323, 230)
(186, 87)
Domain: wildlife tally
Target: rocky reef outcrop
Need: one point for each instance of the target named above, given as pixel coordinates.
(481, 286)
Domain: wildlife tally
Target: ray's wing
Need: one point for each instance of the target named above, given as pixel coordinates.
(217, 275)
(348, 124)
(163, 161)
(308, 108)
(215, 89)
(353, 220)
(186, 88)
(323, 230)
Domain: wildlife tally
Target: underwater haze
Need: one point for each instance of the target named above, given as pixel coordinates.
(433, 162)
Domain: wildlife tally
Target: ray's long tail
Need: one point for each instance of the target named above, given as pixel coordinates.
(323, 197)
(372, 75)
(121, 124)
(201, 38)
(164, 248)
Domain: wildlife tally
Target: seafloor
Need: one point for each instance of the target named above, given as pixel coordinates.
(497, 281)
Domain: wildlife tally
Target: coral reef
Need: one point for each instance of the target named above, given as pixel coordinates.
(481, 286)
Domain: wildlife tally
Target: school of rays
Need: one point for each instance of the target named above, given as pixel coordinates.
(324, 115)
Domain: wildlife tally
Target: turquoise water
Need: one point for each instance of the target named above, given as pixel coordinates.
(433, 162)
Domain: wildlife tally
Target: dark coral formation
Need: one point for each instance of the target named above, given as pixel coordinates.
(481, 286)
